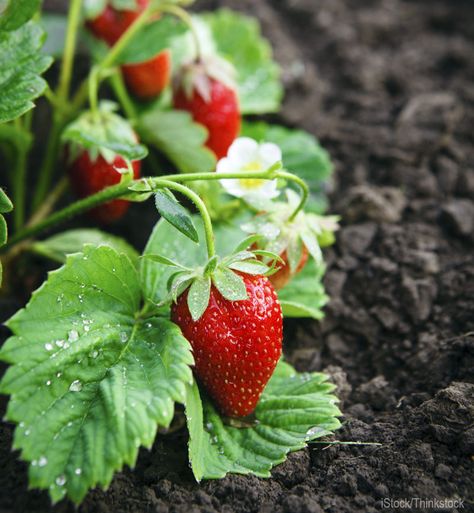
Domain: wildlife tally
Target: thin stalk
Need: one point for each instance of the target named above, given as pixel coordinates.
(200, 205)
(122, 190)
(52, 150)
(304, 191)
(74, 18)
(49, 203)
(19, 182)
(188, 20)
(123, 97)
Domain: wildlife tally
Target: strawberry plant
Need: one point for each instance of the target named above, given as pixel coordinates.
(112, 341)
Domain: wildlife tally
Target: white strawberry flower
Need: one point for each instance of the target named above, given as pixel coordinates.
(246, 154)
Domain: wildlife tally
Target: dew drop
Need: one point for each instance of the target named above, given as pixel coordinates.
(59, 343)
(48, 382)
(48, 346)
(123, 337)
(27, 432)
(315, 431)
(58, 375)
(94, 354)
(43, 461)
(72, 336)
(78, 471)
(75, 386)
(61, 480)
(34, 463)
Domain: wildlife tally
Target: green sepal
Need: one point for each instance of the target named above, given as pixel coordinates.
(253, 267)
(198, 296)
(103, 133)
(211, 265)
(229, 284)
(175, 214)
(5, 204)
(247, 242)
(159, 259)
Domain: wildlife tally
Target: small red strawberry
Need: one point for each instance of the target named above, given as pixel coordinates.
(100, 145)
(146, 80)
(112, 23)
(89, 176)
(284, 274)
(212, 100)
(236, 344)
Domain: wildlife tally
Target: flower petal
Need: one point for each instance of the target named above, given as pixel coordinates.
(243, 150)
(233, 187)
(269, 154)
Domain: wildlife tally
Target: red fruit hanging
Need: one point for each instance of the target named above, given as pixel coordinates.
(89, 176)
(236, 344)
(146, 80)
(112, 23)
(212, 101)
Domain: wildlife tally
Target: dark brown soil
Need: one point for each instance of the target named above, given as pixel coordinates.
(387, 86)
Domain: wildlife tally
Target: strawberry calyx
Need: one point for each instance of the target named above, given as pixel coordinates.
(103, 133)
(198, 75)
(283, 234)
(224, 273)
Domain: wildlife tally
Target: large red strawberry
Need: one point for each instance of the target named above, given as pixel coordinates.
(89, 176)
(112, 23)
(213, 102)
(236, 344)
(148, 79)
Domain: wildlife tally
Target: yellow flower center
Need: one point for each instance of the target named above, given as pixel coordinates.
(252, 183)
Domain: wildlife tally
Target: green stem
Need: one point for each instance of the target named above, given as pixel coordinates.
(200, 205)
(52, 150)
(19, 182)
(123, 97)
(127, 36)
(304, 191)
(49, 161)
(122, 190)
(187, 19)
(74, 19)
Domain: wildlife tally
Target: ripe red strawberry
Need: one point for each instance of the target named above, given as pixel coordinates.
(88, 177)
(236, 344)
(219, 113)
(147, 80)
(112, 23)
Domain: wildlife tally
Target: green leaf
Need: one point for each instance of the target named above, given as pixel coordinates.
(21, 83)
(15, 13)
(3, 231)
(5, 204)
(104, 133)
(239, 40)
(304, 296)
(175, 214)
(179, 138)
(293, 410)
(229, 284)
(302, 155)
(151, 40)
(59, 246)
(89, 381)
(198, 297)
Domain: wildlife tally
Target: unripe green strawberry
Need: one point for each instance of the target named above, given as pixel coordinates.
(236, 344)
